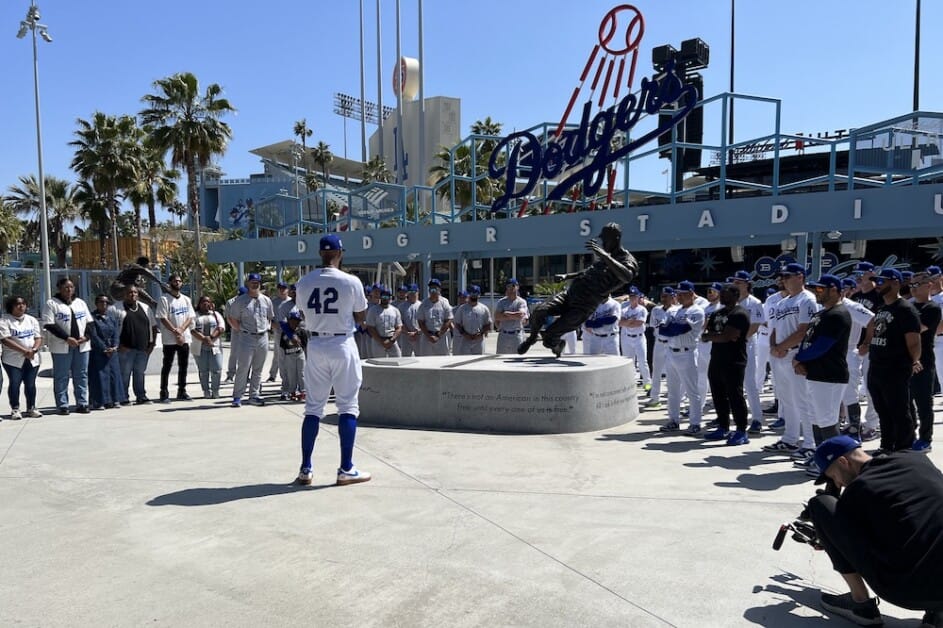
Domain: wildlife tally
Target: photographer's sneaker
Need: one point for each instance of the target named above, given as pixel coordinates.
(353, 476)
(304, 477)
(781, 447)
(862, 613)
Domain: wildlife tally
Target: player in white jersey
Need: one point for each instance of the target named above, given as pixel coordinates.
(683, 330)
(860, 317)
(656, 319)
(751, 382)
(789, 319)
(601, 329)
(704, 348)
(773, 296)
(632, 324)
(333, 304)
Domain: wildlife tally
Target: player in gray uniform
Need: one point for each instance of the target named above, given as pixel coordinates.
(683, 330)
(742, 280)
(280, 297)
(656, 319)
(384, 324)
(510, 314)
(231, 364)
(435, 319)
(409, 312)
(251, 318)
(473, 323)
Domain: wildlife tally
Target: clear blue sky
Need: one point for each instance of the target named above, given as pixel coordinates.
(834, 63)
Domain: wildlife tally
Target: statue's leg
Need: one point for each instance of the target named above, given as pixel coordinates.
(537, 318)
(568, 320)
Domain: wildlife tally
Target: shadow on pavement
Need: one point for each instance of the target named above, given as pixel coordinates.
(747, 460)
(676, 446)
(769, 481)
(796, 595)
(223, 495)
(625, 438)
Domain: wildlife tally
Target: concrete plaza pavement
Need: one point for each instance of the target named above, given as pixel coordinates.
(184, 514)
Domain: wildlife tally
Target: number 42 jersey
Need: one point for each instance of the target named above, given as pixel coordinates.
(328, 298)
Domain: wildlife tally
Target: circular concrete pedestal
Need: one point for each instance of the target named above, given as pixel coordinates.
(500, 393)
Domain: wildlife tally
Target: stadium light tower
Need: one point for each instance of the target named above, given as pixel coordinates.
(31, 24)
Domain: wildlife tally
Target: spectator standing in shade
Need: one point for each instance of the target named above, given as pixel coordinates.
(921, 385)
(894, 346)
(22, 338)
(175, 313)
(511, 314)
(473, 324)
(65, 318)
(207, 346)
(137, 335)
(281, 296)
(104, 366)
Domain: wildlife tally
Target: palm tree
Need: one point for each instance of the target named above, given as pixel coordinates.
(96, 206)
(187, 124)
(11, 227)
(485, 187)
(322, 156)
(61, 208)
(376, 170)
(106, 158)
(303, 132)
(487, 127)
(155, 184)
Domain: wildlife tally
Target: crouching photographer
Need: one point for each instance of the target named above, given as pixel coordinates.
(881, 524)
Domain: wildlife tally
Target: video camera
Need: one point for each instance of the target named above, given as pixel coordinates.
(802, 531)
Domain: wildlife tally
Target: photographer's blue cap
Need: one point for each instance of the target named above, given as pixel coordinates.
(717, 286)
(793, 269)
(864, 267)
(827, 281)
(889, 273)
(830, 450)
(634, 291)
(685, 286)
(253, 277)
(741, 275)
(933, 271)
(331, 242)
(667, 290)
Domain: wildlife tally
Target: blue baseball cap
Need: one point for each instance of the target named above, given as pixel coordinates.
(864, 267)
(889, 273)
(403, 288)
(291, 286)
(242, 290)
(634, 291)
(253, 277)
(741, 275)
(512, 282)
(667, 290)
(474, 291)
(434, 282)
(793, 269)
(771, 291)
(933, 271)
(413, 287)
(385, 293)
(685, 286)
(907, 275)
(331, 242)
(295, 314)
(281, 284)
(827, 281)
(716, 286)
(831, 449)
(848, 282)
(463, 293)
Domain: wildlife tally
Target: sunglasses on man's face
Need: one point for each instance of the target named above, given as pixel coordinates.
(918, 284)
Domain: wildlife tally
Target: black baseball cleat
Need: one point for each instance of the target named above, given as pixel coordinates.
(525, 346)
(558, 348)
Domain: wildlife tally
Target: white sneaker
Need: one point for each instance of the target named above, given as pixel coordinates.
(33, 413)
(15, 415)
(353, 476)
(305, 476)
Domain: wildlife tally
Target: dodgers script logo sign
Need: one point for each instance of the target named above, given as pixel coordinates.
(583, 154)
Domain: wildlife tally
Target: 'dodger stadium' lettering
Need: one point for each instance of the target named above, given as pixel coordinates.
(529, 159)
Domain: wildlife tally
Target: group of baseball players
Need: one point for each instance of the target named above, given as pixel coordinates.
(827, 344)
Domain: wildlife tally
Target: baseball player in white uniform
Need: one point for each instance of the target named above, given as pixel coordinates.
(683, 329)
(333, 304)
(656, 319)
(601, 329)
(860, 318)
(510, 314)
(790, 318)
(751, 382)
(632, 337)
